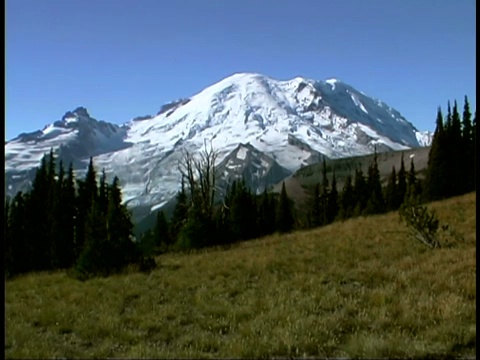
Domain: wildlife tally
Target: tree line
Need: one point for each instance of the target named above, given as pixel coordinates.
(207, 215)
(64, 223)
(243, 215)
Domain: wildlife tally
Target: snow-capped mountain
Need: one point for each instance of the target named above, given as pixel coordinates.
(263, 129)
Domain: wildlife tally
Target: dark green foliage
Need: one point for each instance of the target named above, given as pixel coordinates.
(375, 202)
(162, 231)
(284, 218)
(413, 184)
(180, 212)
(332, 206)
(17, 250)
(437, 171)
(360, 191)
(347, 200)
(266, 214)
(468, 148)
(422, 223)
(314, 212)
(391, 191)
(451, 162)
(108, 237)
(242, 214)
(197, 231)
(402, 185)
(48, 239)
(324, 195)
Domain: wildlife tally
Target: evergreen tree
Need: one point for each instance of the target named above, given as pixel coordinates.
(456, 178)
(402, 184)
(391, 191)
(324, 194)
(180, 212)
(8, 255)
(284, 218)
(87, 196)
(314, 211)
(103, 193)
(375, 202)
(120, 228)
(347, 202)
(198, 229)
(468, 150)
(243, 217)
(108, 243)
(68, 214)
(360, 191)
(413, 185)
(266, 214)
(19, 253)
(56, 218)
(333, 201)
(162, 231)
(437, 177)
(37, 206)
(474, 160)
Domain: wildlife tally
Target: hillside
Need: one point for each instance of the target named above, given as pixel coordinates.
(360, 288)
(298, 184)
(263, 129)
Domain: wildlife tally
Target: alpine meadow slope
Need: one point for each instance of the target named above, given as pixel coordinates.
(263, 129)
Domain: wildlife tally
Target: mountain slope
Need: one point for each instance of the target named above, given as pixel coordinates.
(289, 124)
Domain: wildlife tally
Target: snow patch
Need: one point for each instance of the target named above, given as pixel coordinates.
(332, 82)
(158, 206)
(242, 153)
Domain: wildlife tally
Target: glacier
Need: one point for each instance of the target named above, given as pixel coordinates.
(262, 127)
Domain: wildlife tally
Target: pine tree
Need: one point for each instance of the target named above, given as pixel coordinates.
(314, 211)
(360, 191)
(324, 194)
(413, 189)
(468, 150)
(375, 202)
(37, 206)
(437, 177)
(68, 214)
(347, 202)
(456, 177)
(87, 196)
(162, 231)
(8, 254)
(243, 217)
(180, 212)
(120, 228)
(474, 160)
(402, 184)
(285, 220)
(333, 201)
(266, 214)
(19, 251)
(391, 191)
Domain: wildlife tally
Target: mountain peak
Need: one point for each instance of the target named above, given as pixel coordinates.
(82, 112)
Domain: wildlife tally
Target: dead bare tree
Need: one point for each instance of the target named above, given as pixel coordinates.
(200, 173)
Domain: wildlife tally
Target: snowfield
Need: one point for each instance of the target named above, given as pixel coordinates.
(291, 122)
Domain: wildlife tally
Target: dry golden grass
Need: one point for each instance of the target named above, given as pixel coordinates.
(360, 288)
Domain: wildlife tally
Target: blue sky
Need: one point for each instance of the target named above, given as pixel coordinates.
(125, 58)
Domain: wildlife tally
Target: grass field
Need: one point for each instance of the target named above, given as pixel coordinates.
(360, 288)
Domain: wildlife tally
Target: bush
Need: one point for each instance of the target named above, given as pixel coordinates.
(423, 224)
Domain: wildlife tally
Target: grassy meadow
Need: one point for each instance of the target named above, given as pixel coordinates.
(359, 288)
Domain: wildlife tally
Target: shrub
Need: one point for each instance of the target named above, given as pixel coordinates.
(423, 224)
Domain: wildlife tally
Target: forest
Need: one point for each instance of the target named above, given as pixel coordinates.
(83, 226)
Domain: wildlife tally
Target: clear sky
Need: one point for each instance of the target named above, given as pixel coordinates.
(125, 58)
